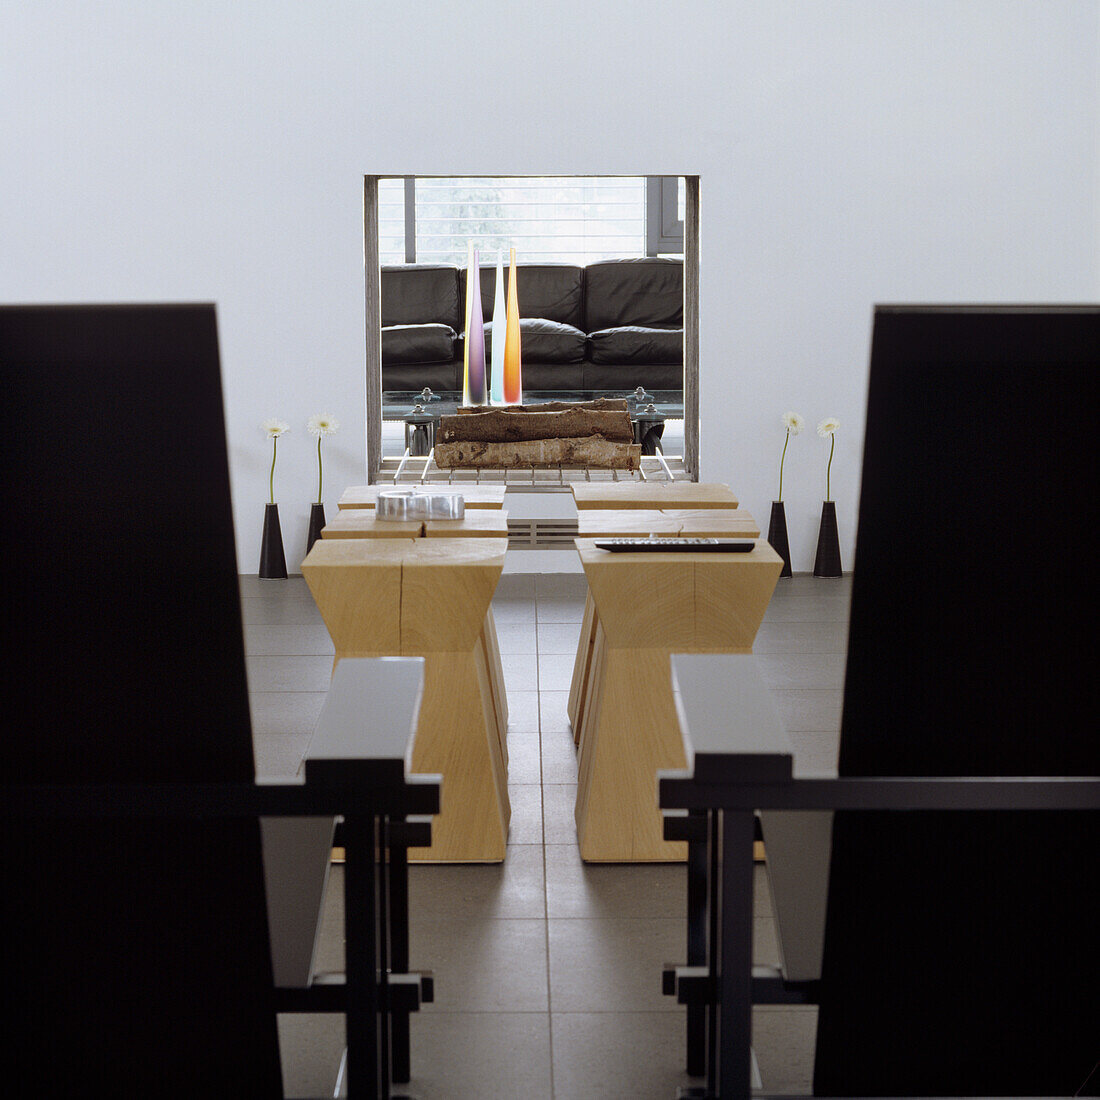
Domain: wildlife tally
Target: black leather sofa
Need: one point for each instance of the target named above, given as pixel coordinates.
(609, 325)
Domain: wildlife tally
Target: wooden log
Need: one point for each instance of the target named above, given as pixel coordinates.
(605, 403)
(594, 452)
(497, 426)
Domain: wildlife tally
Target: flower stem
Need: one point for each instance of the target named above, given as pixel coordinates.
(786, 440)
(828, 469)
(319, 475)
(271, 479)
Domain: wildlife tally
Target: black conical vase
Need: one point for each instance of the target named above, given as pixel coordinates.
(316, 524)
(777, 536)
(272, 559)
(827, 562)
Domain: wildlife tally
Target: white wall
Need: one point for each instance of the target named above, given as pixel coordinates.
(849, 153)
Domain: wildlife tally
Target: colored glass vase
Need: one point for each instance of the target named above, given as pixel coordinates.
(513, 371)
(500, 325)
(473, 373)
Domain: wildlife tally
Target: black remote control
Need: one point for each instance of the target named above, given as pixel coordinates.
(666, 545)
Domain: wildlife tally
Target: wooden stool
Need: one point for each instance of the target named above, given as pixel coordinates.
(475, 496)
(430, 598)
(653, 494)
(646, 606)
(617, 522)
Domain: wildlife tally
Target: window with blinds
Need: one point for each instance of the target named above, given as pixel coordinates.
(575, 219)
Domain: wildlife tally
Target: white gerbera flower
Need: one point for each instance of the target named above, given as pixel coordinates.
(321, 424)
(275, 427)
(826, 430)
(793, 423)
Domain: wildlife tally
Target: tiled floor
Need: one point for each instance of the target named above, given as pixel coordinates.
(548, 971)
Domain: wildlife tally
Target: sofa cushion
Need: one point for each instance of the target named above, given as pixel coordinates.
(440, 377)
(622, 378)
(551, 291)
(647, 292)
(418, 344)
(415, 294)
(544, 341)
(635, 344)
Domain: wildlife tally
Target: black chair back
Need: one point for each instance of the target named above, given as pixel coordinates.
(136, 950)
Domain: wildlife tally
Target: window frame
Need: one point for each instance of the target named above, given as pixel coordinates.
(372, 269)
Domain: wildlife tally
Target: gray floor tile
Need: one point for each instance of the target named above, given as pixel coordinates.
(612, 964)
(559, 801)
(619, 1056)
(284, 641)
(480, 1054)
(481, 891)
(284, 611)
(279, 755)
(289, 673)
(575, 889)
(482, 965)
(311, 1046)
(809, 708)
(512, 611)
(559, 757)
(804, 583)
(249, 584)
(524, 756)
(553, 712)
(516, 586)
(803, 670)
(515, 637)
(556, 671)
(808, 609)
(523, 709)
(783, 1040)
(520, 671)
(560, 609)
(570, 586)
(559, 638)
(819, 637)
(285, 711)
(526, 824)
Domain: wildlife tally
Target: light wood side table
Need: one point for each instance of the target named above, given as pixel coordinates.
(647, 606)
(430, 598)
(476, 523)
(619, 522)
(475, 496)
(363, 523)
(653, 494)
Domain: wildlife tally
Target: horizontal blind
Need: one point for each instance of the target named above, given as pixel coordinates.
(391, 220)
(565, 219)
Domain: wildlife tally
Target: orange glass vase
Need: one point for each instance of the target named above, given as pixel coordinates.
(513, 369)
